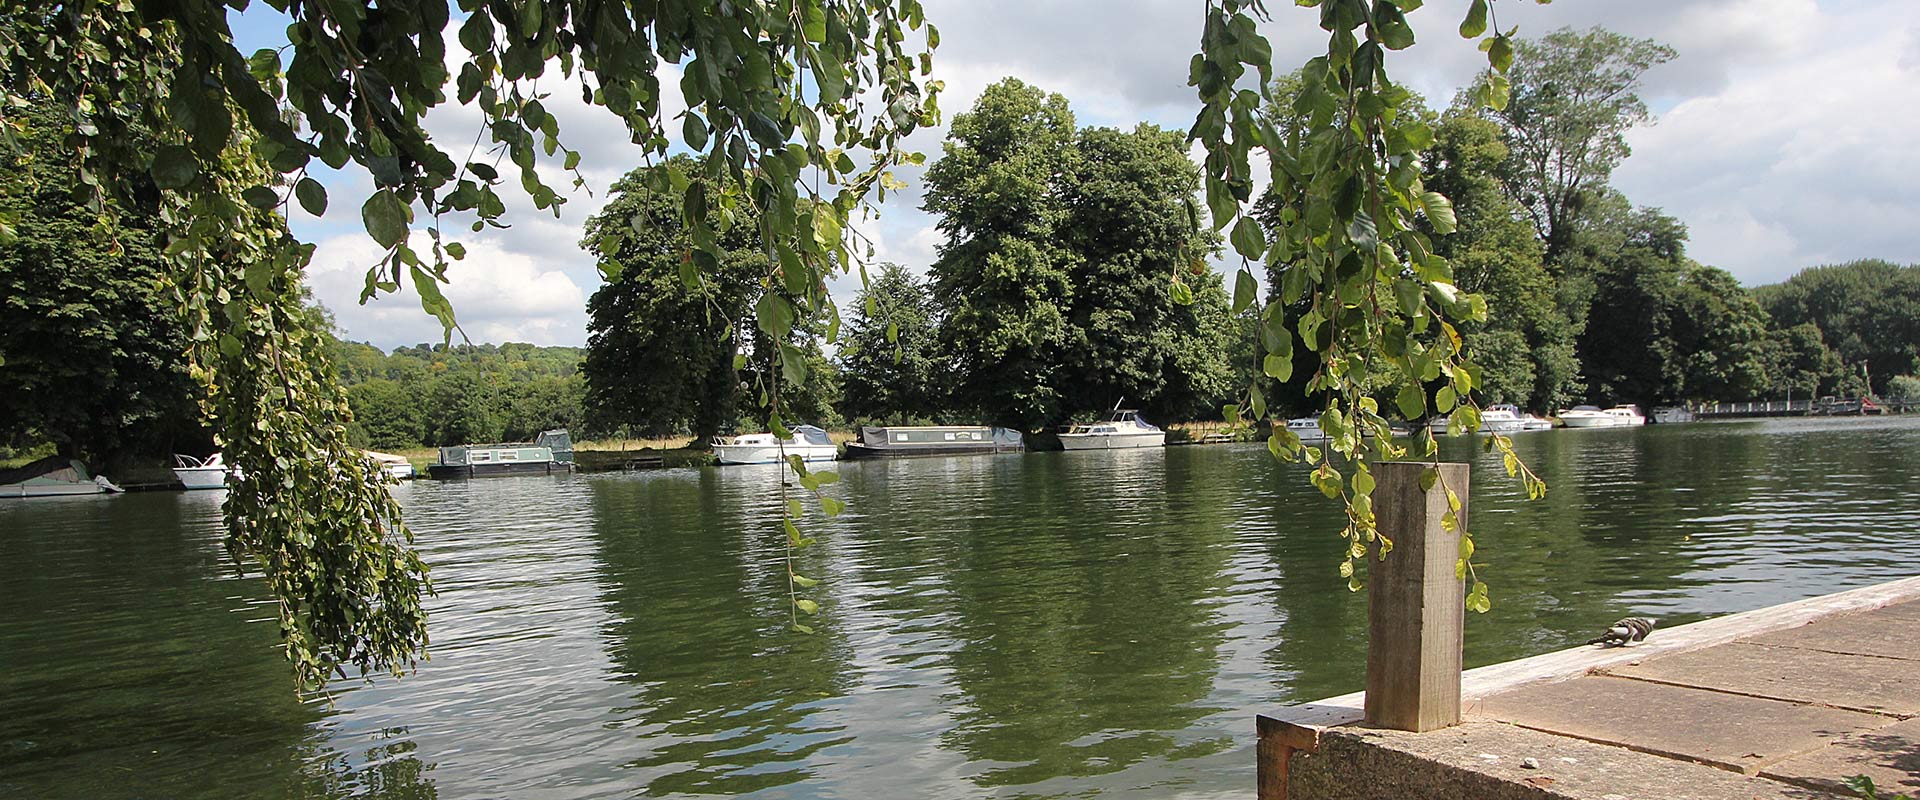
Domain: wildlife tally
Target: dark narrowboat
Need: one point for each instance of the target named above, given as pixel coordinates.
(933, 440)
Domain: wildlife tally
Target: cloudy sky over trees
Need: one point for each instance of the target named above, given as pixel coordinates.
(1781, 137)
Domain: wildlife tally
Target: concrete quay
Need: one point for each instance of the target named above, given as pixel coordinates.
(1781, 702)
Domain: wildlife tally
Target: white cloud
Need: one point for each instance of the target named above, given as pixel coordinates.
(498, 295)
(1780, 138)
(1797, 160)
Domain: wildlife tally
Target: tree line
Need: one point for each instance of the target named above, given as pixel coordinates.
(1049, 298)
(1074, 275)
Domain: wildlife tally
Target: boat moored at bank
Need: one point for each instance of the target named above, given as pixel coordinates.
(53, 476)
(808, 442)
(932, 440)
(1594, 417)
(549, 453)
(211, 472)
(1123, 429)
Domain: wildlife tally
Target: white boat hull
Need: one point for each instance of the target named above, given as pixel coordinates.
(1113, 441)
(1588, 422)
(769, 454)
(202, 477)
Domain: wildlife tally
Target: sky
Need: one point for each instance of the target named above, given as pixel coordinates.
(1781, 138)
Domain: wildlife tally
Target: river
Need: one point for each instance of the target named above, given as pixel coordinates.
(1038, 625)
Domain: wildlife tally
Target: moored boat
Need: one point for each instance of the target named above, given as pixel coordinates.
(1121, 430)
(929, 440)
(396, 467)
(1625, 416)
(1586, 417)
(203, 473)
(808, 442)
(1535, 422)
(1502, 418)
(1673, 414)
(550, 453)
(53, 476)
(1308, 429)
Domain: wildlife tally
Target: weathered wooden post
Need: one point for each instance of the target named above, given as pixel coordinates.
(1416, 604)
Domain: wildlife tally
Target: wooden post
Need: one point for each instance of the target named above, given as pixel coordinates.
(1416, 605)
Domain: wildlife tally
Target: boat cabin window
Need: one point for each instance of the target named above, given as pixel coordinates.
(509, 455)
(477, 456)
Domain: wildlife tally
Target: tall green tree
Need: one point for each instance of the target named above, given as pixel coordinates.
(1129, 224)
(1004, 277)
(1527, 344)
(890, 366)
(94, 358)
(660, 354)
(1720, 336)
(1574, 97)
(1867, 311)
(1800, 365)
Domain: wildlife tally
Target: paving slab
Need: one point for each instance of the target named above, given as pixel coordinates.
(1854, 682)
(1891, 632)
(1728, 730)
(1890, 756)
(1487, 761)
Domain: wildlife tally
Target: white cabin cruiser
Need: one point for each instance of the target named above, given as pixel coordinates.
(1586, 417)
(1625, 416)
(208, 473)
(1534, 422)
(1308, 429)
(1502, 418)
(1122, 430)
(808, 442)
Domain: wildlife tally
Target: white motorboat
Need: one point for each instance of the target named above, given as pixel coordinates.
(1502, 418)
(1122, 430)
(208, 473)
(1586, 417)
(1534, 422)
(53, 476)
(808, 442)
(1625, 416)
(1308, 429)
(396, 467)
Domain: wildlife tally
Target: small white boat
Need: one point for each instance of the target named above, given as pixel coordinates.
(1626, 416)
(807, 442)
(1534, 422)
(1308, 429)
(1586, 417)
(53, 476)
(1672, 415)
(1122, 430)
(396, 467)
(208, 473)
(1502, 418)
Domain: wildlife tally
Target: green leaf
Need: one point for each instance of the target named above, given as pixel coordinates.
(775, 315)
(386, 218)
(693, 130)
(1444, 400)
(1477, 600)
(261, 197)
(807, 606)
(802, 581)
(1412, 402)
(1248, 239)
(174, 167)
(831, 507)
(1476, 21)
(312, 196)
(1180, 292)
(1500, 53)
(1245, 291)
(1278, 367)
(1362, 232)
(1439, 211)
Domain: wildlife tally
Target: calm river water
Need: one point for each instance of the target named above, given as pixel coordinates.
(1041, 625)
